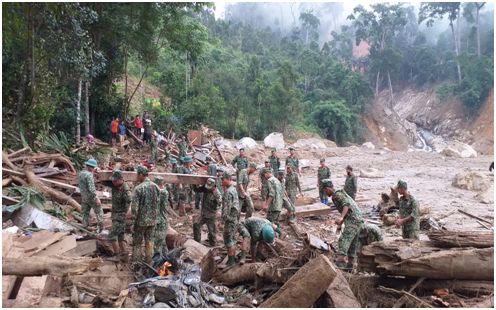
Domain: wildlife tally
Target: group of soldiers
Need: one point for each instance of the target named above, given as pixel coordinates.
(144, 211)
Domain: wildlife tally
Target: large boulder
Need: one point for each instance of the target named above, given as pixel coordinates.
(472, 181)
(275, 139)
(458, 149)
(369, 145)
(311, 143)
(372, 173)
(247, 143)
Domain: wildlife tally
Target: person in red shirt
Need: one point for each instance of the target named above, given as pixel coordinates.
(115, 124)
(139, 126)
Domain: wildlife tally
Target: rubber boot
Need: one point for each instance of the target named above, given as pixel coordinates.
(326, 201)
(230, 263)
(322, 200)
(243, 257)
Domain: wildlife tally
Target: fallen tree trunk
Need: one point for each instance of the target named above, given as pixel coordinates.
(340, 293)
(52, 265)
(7, 161)
(170, 178)
(305, 286)
(56, 195)
(462, 239)
(418, 259)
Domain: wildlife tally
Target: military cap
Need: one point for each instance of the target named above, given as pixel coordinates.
(253, 165)
(159, 180)
(116, 174)
(183, 137)
(327, 183)
(187, 159)
(142, 170)
(226, 175)
(173, 161)
(268, 234)
(209, 158)
(349, 168)
(181, 159)
(267, 160)
(402, 184)
(280, 172)
(91, 162)
(291, 148)
(273, 149)
(220, 169)
(265, 170)
(210, 183)
(322, 159)
(242, 149)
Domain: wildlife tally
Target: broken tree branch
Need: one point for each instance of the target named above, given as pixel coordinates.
(473, 216)
(16, 153)
(390, 290)
(7, 162)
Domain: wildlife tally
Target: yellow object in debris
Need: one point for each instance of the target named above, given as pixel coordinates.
(164, 270)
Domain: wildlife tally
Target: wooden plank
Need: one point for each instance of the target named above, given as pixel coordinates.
(8, 282)
(65, 244)
(309, 210)
(170, 178)
(6, 243)
(82, 248)
(473, 216)
(40, 241)
(341, 294)
(30, 292)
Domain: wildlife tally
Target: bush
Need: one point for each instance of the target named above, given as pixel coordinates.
(444, 91)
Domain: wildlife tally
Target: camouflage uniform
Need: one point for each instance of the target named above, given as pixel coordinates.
(263, 190)
(167, 156)
(212, 170)
(286, 204)
(190, 192)
(160, 245)
(350, 186)
(184, 194)
(252, 228)
(240, 163)
(244, 180)
(368, 233)
(211, 204)
(293, 162)
(121, 198)
(218, 184)
(175, 187)
(154, 147)
(275, 190)
(144, 209)
(352, 221)
(182, 148)
(292, 184)
(230, 215)
(410, 207)
(88, 198)
(275, 164)
(323, 174)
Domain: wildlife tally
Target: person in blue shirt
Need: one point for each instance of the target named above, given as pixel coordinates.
(122, 132)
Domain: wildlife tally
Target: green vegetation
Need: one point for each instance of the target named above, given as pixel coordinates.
(260, 68)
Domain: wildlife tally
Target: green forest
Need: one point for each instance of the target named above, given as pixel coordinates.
(260, 68)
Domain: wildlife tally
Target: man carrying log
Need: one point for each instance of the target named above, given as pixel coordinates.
(230, 218)
(292, 184)
(154, 148)
(274, 202)
(286, 203)
(240, 162)
(352, 218)
(167, 152)
(218, 182)
(160, 246)
(293, 161)
(211, 205)
(89, 198)
(182, 147)
(255, 229)
(121, 198)
(242, 188)
(275, 163)
(143, 212)
(409, 220)
(184, 189)
(350, 186)
(323, 173)
(262, 181)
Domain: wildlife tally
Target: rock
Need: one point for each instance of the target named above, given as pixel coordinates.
(372, 173)
(246, 142)
(458, 149)
(311, 143)
(304, 163)
(160, 305)
(472, 181)
(486, 196)
(221, 144)
(275, 139)
(369, 145)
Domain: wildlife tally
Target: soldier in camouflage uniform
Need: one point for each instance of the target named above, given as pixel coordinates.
(218, 181)
(240, 162)
(168, 156)
(255, 229)
(263, 182)
(274, 201)
(211, 168)
(350, 186)
(121, 199)
(286, 203)
(182, 147)
(368, 233)
(211, 205)
(175, 187)
(292, 184)
(184, 189)
(154, 148)
(89, 198)
(143, 212)
(275, 163)
(230, 218)
(160, 245)
(293, 161)
(323, 173)
(352, 218)
(409, 220)
(242, 188)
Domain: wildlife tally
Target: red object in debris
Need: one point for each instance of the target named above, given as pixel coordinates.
(110, 168)
(146, 164)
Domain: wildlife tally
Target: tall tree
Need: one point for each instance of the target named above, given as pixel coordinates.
(310, 22)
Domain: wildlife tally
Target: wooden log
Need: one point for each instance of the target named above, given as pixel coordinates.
(474, 216)
(462, 239)
(390, 290)
(419, 259)
(171, 178)
(47, 181)
(46, 157)
(52, 265)
(16, 153)
(56, 195)
(221, 156)
(404, 298)
(340, 293)
(315, 209)
(6, 182)
(6, 161)
(134, 137)
(305, 287)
